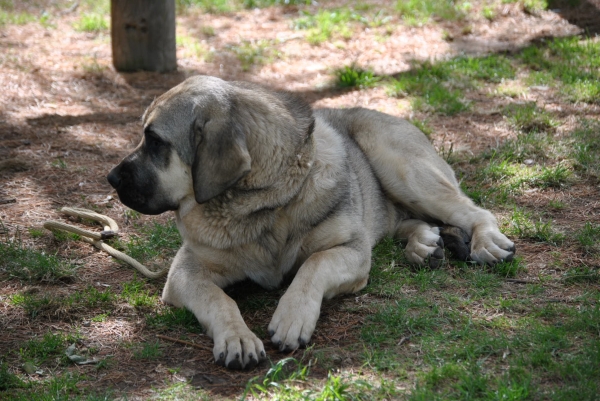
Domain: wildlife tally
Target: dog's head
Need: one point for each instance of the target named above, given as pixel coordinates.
(205, 135)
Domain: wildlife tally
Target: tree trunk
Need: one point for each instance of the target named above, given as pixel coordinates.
(143, 35)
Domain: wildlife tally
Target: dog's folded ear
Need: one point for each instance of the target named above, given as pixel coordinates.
(221, 160)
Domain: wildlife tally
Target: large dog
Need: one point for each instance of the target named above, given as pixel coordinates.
(264, 188)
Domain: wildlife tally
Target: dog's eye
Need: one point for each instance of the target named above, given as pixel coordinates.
(152, 141)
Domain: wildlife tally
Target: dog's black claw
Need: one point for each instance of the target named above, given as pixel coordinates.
(263, 355)
(252, 362)
(271, 333)
(438, 253)
(302, 342)
(509, 258)
(221, 360)
(435, 263)
(235, 364)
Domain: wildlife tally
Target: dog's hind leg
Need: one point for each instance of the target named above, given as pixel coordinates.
(413, 175)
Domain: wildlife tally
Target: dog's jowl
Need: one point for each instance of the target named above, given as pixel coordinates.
(263, 187)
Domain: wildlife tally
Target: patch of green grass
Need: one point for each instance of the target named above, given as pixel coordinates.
(489, 12)
(172, 318)
(61, 387)
(95, 6)
(91, 22)
(481, 283)
(425, 279)
(100, 318)
(61, 306)
(534, 6)
(582, 274)
(389, 270)
(181, 392)
(511, 177)
(440, 86)
(156, 242)
(401, 318)
(251, 54)
(355, 77)
(428, 83)
(509, 269)
(585, 148)
(269, 3)
(523, 224)
(50, 345)
(193, 47)
(8, 380)
(492, 68)
(136, 294)
(288, 379)
(528, 118)
(589, 237)
(415, 12)
(423, 126)
(148, 350)
(36, 232)
(9, 17)
(31, 265)
(324, 24)
(572, 62)
(207, 6)
(534, 146)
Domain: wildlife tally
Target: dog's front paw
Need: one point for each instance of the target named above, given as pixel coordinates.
(238, 348)
(491, 246)
(425, 246)
(294, 321)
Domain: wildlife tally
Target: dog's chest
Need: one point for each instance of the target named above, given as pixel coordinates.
(266, 246)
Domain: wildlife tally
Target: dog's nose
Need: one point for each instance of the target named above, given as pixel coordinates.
(114, 178)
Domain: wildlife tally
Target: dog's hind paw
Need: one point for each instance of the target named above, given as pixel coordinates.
(238, 349)
(425, 246)
(491, 247)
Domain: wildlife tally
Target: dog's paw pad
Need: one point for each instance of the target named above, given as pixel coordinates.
(457, 241)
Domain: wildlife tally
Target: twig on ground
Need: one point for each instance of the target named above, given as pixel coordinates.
(176, 340)
(521, 281)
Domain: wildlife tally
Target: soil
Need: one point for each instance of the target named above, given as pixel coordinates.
(67, 117)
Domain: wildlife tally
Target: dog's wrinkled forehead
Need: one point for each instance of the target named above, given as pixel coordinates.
(172, 113)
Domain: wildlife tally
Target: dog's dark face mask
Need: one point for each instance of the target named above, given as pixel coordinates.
(137, 180)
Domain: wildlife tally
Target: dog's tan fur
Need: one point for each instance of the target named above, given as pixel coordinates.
(264, 188)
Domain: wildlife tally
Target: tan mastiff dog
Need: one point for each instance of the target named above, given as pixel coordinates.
(265, 188)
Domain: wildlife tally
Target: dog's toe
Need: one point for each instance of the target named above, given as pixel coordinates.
(239, 349)
(491, 247)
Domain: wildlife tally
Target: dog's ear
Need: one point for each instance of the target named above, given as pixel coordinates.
(221, 159)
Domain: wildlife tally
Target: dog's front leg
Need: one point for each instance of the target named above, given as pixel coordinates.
(192, 286)
(342, 269)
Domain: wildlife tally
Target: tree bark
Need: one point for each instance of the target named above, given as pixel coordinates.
(143, 35)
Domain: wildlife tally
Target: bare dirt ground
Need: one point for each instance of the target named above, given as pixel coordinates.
(66, 117)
